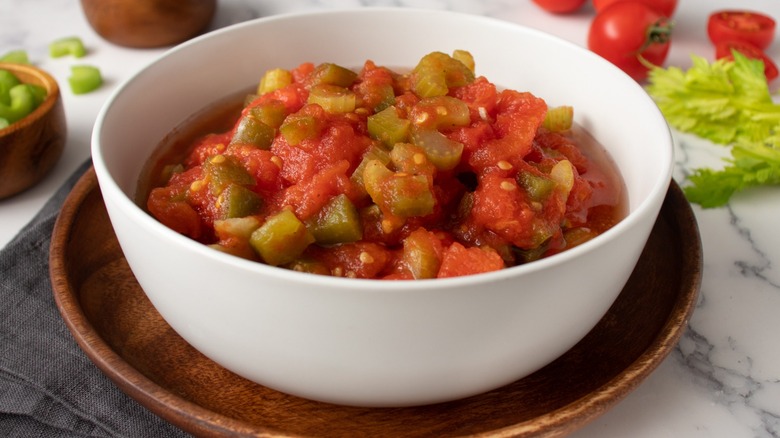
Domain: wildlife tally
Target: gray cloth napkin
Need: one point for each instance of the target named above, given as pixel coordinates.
(48, 386)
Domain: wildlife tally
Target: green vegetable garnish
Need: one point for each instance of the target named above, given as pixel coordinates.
(67, 46)
(84, 78)
(726, 102)
(16, 57)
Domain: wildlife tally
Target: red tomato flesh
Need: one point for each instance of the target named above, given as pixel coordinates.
(748, 27)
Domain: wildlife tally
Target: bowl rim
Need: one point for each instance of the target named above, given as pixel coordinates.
(108, 185)
(52, 95)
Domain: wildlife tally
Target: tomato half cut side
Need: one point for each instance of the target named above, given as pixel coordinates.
(723, 50)
(746, 26)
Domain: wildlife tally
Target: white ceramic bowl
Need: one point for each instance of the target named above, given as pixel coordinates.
(369, 342)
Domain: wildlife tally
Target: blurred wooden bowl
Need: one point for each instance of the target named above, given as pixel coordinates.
(30, 147)
(148, 23)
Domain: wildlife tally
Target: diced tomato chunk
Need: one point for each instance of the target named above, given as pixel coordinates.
(458, 260)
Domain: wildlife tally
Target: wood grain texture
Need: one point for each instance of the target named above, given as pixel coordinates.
(32, 146)
(148, 23)
(120, 330)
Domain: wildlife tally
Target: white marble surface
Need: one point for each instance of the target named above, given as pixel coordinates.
(723, 380)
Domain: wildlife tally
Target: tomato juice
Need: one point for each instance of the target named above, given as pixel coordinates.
(377, 174)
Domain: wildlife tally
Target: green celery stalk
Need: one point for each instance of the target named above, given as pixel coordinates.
(67, 46)
(16, 57)
(84, 79)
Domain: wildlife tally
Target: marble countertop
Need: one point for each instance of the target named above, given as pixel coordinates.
(723, 379)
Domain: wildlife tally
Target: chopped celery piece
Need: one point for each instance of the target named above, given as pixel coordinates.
(440, 112)
(466, 58)
(537, 187)
(7, 81)
(238, 201)
(375, 172)
(272, 113)
(558, 118)
(84, 79)
(67, 46)
(237, 227)
(333, 74)
(409, 158)
(251, 131)
(299, 127)
(333, 98)
(563, 175)
(273, 80)
(16, 57)
(443, 152)
(386, 97)
(437, 72)
(281, 239)
(387, 127)
(373, 153)
(222, 170)
(4, 123)
(38, 92)
(22, 103)
(337, 222)
(409, 195)
(420, 254)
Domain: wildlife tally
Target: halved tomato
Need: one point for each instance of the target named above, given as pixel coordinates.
(745, 26)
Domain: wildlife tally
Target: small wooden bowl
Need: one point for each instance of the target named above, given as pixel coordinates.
(30, 147)
(148, 23)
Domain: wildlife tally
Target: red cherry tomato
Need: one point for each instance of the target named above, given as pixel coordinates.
(750, 27)
(663, 7)
(723, 50)
(560, 6)
(624, 31)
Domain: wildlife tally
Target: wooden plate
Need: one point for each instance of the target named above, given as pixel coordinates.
(117, 327)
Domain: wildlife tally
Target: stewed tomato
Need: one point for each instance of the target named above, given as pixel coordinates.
(749, 27)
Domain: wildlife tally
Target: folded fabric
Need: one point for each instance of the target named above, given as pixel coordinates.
(48, 386)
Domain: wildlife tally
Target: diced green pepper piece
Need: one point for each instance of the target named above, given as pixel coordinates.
(420, 255)
(22, 103)
(333, 98)
(388, 127)
(16, 57)
(436, 73)
(409, 195)
(299, 127)
(443, 152)
(281, 239)
(273, 80)
(223, 170)
(558, 118)
(337, 222)
(332, 74)
(251, 131)
(8, 80)
(537, 187)
(238, 201)
(67, 46)
(84, 79)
